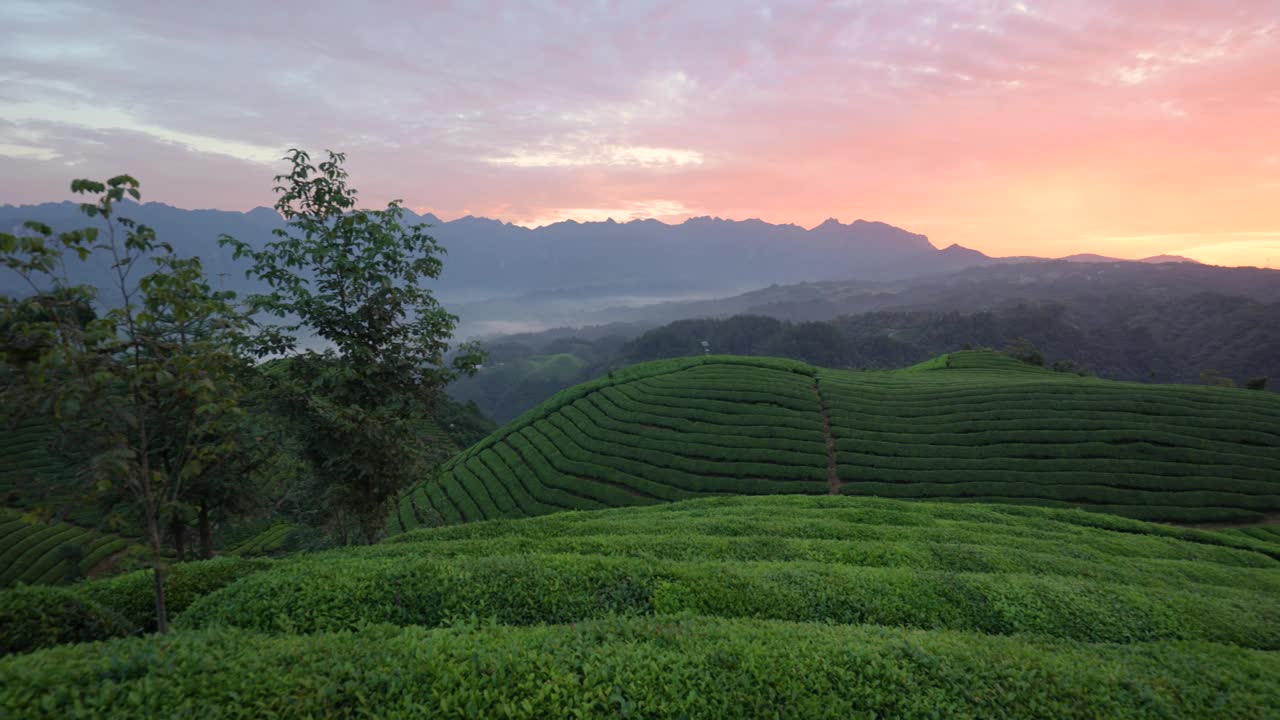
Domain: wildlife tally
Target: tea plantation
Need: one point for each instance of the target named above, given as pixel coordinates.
(32, 474)
(266, 542)
(50, 552)
(736, 537)
(718, 607)
(972, 426)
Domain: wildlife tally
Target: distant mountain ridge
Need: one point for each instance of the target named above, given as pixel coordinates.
(977, 257)
(1155, 259)
(487, 259)
(975, 288)
(490, 258)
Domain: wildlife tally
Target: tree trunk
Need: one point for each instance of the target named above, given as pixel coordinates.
(162, 613)
(157, 561)
(179, 530)
(206, 542)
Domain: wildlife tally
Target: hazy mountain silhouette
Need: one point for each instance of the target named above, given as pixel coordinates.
(488, 258)
(1154, 259)
(1096, 285)
(495, 271)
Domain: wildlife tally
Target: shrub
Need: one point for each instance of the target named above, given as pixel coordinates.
(1022, 349)
(339, 594)
(131, 594)
(662, 667)
(1216, 379)
(37, 616)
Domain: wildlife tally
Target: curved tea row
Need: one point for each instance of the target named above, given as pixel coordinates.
(50, 552)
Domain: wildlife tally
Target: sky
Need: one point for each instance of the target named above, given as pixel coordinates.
(1032, 127)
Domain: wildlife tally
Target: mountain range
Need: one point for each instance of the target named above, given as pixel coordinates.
(636, 261)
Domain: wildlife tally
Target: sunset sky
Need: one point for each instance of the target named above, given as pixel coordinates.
(1036, 127)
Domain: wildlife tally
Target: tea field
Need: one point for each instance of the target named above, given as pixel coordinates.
(35, 473)
(735, 537)
(729, 606)
(51, 552)
(971, 426)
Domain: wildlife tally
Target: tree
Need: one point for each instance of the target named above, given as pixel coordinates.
(465, 424)
(1023, 349)
(18, 349)
(232, 485)
(1216, 379)
(1258, 383)
(148, 386)
(351, 280)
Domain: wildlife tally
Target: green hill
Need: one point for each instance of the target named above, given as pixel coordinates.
(36, 478)
(34, 475)
(719, 607)
(973, 426)
(269, 541)
(39, 553)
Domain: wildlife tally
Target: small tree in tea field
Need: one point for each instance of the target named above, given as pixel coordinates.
(148, 388)
(351, 280)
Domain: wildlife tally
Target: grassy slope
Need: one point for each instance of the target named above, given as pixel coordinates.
(824, 606)
(970, 426)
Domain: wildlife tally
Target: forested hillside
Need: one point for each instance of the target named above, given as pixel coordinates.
(1189, 339)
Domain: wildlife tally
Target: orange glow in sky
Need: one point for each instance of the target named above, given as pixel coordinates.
(1042, 127)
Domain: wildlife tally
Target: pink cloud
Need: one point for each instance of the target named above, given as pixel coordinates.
(1033, 127)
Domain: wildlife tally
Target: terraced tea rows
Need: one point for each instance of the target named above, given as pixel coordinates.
(266, 542)
(905, 608)
(967, 427)
(439, 439)
(986, 568)
(992, 429)
(32, 474)
(40, 553)
(658, 432)
(678, 667)
(1267, 535)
